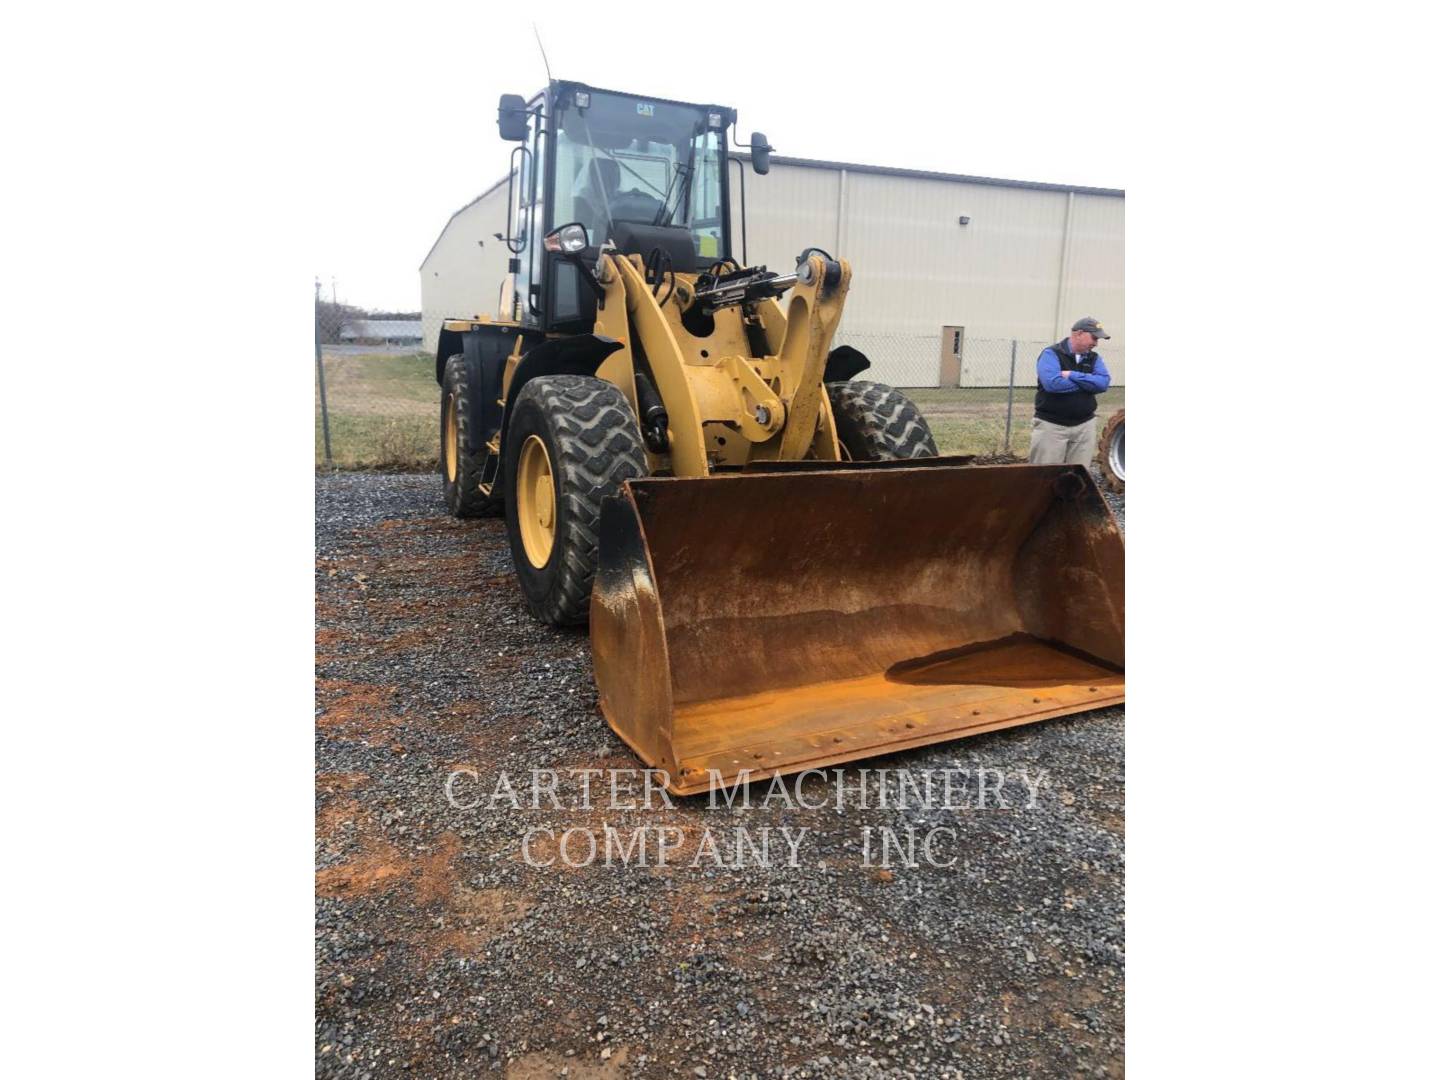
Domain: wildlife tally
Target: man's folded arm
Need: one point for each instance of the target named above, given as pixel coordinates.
(1097, 381)
(1047, 369)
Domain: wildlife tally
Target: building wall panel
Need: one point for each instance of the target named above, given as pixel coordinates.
(1095, 275)
(461, 275)
(788, 210)
(1008, 273)
(917, 268)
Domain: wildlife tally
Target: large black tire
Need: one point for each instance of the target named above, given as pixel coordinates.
(592, 445)
(876, 422)
(1111, 453)
(461, 456)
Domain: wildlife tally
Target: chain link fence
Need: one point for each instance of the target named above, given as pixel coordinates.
(377, 402)
(977, 394)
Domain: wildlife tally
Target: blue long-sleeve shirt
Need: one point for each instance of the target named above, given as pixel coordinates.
(1047, 370)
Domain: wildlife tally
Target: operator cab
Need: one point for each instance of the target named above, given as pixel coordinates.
(620, 159)
(644, 176)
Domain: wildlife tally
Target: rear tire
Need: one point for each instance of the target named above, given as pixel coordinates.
(1112, 453)
(875, 422)
(460, 458)
(572, 442)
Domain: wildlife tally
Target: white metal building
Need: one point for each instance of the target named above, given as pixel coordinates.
(391, 331)
(948, 269)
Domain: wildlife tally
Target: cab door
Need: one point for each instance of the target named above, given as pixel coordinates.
(528, 211)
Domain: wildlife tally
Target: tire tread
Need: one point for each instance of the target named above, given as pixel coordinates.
(1107, 436)
(876, 422)
(598, 439)
(463, 499)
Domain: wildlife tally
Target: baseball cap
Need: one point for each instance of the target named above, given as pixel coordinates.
(1090, 326)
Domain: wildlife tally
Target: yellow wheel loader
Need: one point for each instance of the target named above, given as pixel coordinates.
(778, 571)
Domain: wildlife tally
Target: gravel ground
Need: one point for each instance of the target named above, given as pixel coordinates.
(441, 952)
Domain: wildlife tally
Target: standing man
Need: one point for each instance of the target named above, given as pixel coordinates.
(1068, 376)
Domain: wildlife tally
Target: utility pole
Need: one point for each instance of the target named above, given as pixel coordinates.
(320, 375)
(1010, 399)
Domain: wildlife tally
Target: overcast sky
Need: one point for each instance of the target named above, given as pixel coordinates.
(405, 133)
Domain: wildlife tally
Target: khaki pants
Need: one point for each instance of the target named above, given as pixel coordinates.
(1056, 444)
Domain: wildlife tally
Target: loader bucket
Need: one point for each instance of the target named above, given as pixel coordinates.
(772, 622)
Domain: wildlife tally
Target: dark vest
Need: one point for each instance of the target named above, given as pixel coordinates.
(1067, 409)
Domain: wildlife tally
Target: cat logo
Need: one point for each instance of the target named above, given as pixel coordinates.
(644, 108)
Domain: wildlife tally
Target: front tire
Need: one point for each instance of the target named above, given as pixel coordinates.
(460, 458)
(572, 442)
(875, 422)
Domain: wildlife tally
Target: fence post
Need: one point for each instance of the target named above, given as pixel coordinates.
(1010, 397)
(320, 374)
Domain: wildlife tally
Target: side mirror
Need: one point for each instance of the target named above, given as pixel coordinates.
(568, 239)
(514, 122)
(760, 152)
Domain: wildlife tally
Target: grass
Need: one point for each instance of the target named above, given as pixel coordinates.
(384, 411)
(973, 421)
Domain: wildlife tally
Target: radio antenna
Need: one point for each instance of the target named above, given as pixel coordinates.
(548, 77)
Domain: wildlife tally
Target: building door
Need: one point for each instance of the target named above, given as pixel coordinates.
(952, 356)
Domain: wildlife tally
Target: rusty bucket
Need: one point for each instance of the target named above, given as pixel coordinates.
(772, 622)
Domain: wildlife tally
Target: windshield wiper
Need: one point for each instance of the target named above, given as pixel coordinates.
(664, 214)
(594, 170)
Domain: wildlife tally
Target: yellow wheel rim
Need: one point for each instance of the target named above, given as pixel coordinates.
(535, 501)
(451, 436)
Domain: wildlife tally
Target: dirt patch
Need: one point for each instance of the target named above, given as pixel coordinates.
(378, 868)
(356, 710)
(431, 874)
(475, 917)
(548, 1066)
(337, 814)
(435, 872)
(467, 918)
(332, 782)
(417, 640)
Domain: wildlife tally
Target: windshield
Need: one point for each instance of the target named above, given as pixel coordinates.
(628, 159)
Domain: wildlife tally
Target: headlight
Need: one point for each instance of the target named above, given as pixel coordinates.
(568, 239)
